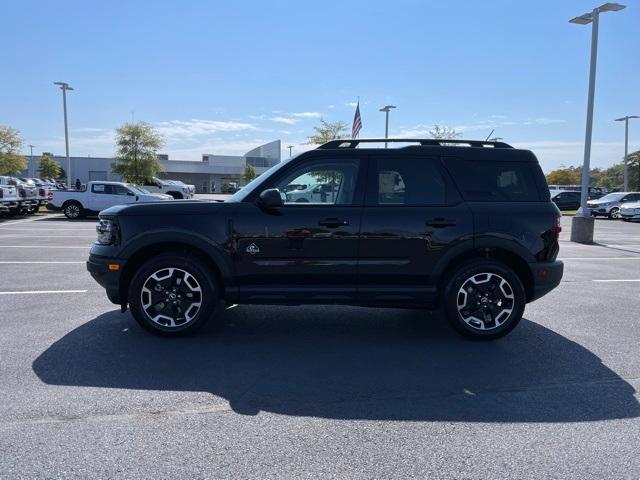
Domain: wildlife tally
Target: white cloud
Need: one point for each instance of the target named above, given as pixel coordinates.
(307, 115)
(351, 104)
(548, 121)
(286, 120)
(331, 106)
(195, 127)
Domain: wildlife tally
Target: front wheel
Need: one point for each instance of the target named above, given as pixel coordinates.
(173, 294)
(614, 213)
(484, 299)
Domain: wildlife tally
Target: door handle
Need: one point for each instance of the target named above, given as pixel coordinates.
(440, 223)
(333, 222)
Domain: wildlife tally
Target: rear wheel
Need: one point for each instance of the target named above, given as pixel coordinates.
(484, 299)
(173, 295)
(72, 210)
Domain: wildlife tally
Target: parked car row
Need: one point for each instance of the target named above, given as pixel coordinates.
(19, 196)
(625, 205)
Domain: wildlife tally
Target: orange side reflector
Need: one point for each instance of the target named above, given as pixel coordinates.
(114, 266)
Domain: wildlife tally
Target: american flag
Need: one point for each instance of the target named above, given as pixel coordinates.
(357, 122)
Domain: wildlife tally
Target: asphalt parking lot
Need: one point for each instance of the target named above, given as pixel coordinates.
(330, 391)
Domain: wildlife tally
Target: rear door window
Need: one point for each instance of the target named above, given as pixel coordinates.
(406, 181)
(494, 181)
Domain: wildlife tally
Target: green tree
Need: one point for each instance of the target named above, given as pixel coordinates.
(11, 162)
(137, 152)
(442, 132)
(48, 168)
(564, 176)
(249, 173)
(328, 131)
(633, 160)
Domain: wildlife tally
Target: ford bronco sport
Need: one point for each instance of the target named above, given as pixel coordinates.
(462, 225)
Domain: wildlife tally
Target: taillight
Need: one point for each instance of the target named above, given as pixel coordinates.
(558, 226)
(50, 196)
(22, 193)
(1, 193)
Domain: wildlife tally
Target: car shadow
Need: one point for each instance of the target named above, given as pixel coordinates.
(329, 362)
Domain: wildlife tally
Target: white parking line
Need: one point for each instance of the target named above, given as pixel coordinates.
(45, 262)
(618, 280)
(37, 292)
(43, 246)
(599, 258)
(44, 235)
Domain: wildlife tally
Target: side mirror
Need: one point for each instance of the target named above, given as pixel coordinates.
(270, 199)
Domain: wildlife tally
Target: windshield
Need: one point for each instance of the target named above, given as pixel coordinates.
(612, 197)
(240, 195)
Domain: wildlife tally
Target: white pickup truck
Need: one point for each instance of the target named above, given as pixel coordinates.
(8, 199)
(174, 188)
(26, 201)
(99, 196)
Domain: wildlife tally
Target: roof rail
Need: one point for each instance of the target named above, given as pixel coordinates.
(354, 142)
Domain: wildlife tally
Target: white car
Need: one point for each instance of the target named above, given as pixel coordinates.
(99, 196)
(315, 193)
(630, 211)
(174, 188)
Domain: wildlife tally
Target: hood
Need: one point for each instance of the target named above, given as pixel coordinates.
(174, 207)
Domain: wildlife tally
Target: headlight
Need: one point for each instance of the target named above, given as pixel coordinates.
(106, 230)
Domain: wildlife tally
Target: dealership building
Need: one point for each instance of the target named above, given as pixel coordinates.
(211, 174)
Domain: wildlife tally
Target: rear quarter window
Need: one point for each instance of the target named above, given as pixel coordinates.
(495, 181)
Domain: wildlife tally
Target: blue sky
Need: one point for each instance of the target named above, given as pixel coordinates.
(222, 77)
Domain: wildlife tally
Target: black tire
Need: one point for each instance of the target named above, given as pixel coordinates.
(614, 213)
(73, 210)
(142, 299)
(504, 310)
(176, 195)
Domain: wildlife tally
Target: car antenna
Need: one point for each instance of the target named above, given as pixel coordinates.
(489, 136)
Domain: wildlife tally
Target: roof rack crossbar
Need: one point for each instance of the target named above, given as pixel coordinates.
(354, 142)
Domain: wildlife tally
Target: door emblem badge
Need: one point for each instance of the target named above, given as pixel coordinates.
(253, 249)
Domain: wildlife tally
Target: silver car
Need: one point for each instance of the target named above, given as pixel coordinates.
(609, 205)
(630, 211)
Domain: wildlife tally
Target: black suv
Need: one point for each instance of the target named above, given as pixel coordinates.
(465, 225)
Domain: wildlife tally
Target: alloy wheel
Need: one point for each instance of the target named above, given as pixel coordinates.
(485, 301)
(72, 211)
(171, 297)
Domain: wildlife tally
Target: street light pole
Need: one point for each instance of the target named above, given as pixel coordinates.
(386, 109)
(64, 87)
(626, 148)
(290, 147)
(582, 223)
